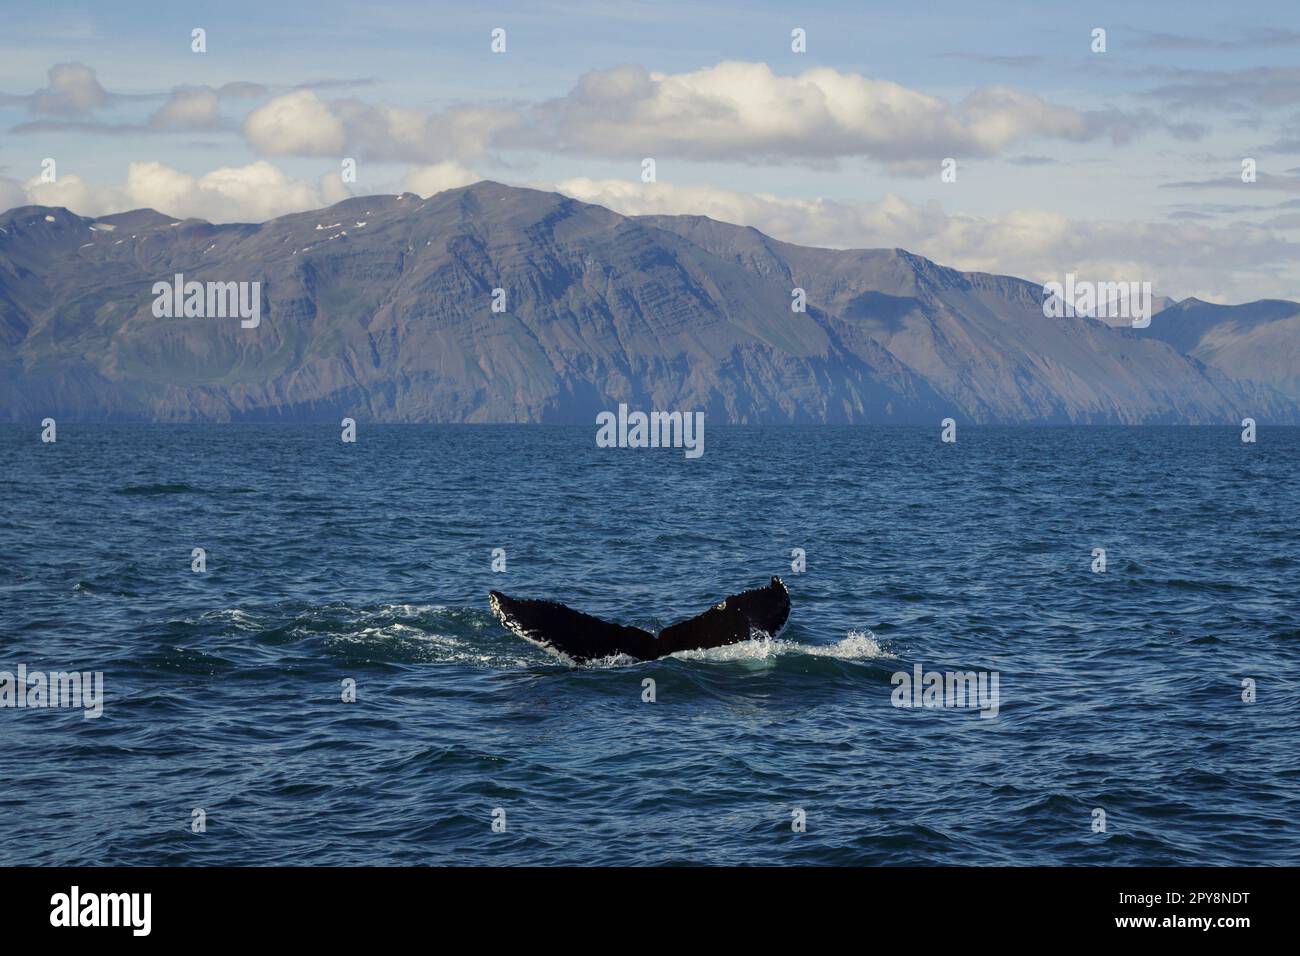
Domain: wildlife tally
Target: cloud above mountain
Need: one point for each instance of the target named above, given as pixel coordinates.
(733, 110)
(251, 193)
(73, 97)
(300, 123)
(738, 109)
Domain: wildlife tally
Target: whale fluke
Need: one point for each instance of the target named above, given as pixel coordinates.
(583, 637)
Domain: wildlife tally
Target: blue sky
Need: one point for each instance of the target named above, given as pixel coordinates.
(1117, 165)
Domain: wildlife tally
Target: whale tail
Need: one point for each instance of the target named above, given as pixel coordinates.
(561, 629)
(583, 637)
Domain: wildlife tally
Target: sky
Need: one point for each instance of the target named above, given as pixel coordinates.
(1123, 164)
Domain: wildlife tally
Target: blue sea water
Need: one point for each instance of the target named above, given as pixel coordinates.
(1119, 691)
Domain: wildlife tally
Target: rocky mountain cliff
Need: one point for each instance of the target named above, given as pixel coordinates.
(380, 307)
(1256, 342)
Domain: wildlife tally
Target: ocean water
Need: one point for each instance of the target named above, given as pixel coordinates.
(1119, 691)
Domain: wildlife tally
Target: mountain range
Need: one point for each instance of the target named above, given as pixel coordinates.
(381, 308)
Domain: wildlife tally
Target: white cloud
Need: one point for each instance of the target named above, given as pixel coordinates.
(741, 110)
(297, 123)
(734, 110)
(187, 109)
(252, 193)
(427, 180)
(331, 189)
(12, 193)
(302, 124)
(76, 194)
(73, 91)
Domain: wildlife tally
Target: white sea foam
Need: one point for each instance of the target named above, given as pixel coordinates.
(857, 646)
(409, 610)
(403, 631)
(241, 619)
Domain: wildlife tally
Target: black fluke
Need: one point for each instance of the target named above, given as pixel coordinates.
(583, 637)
